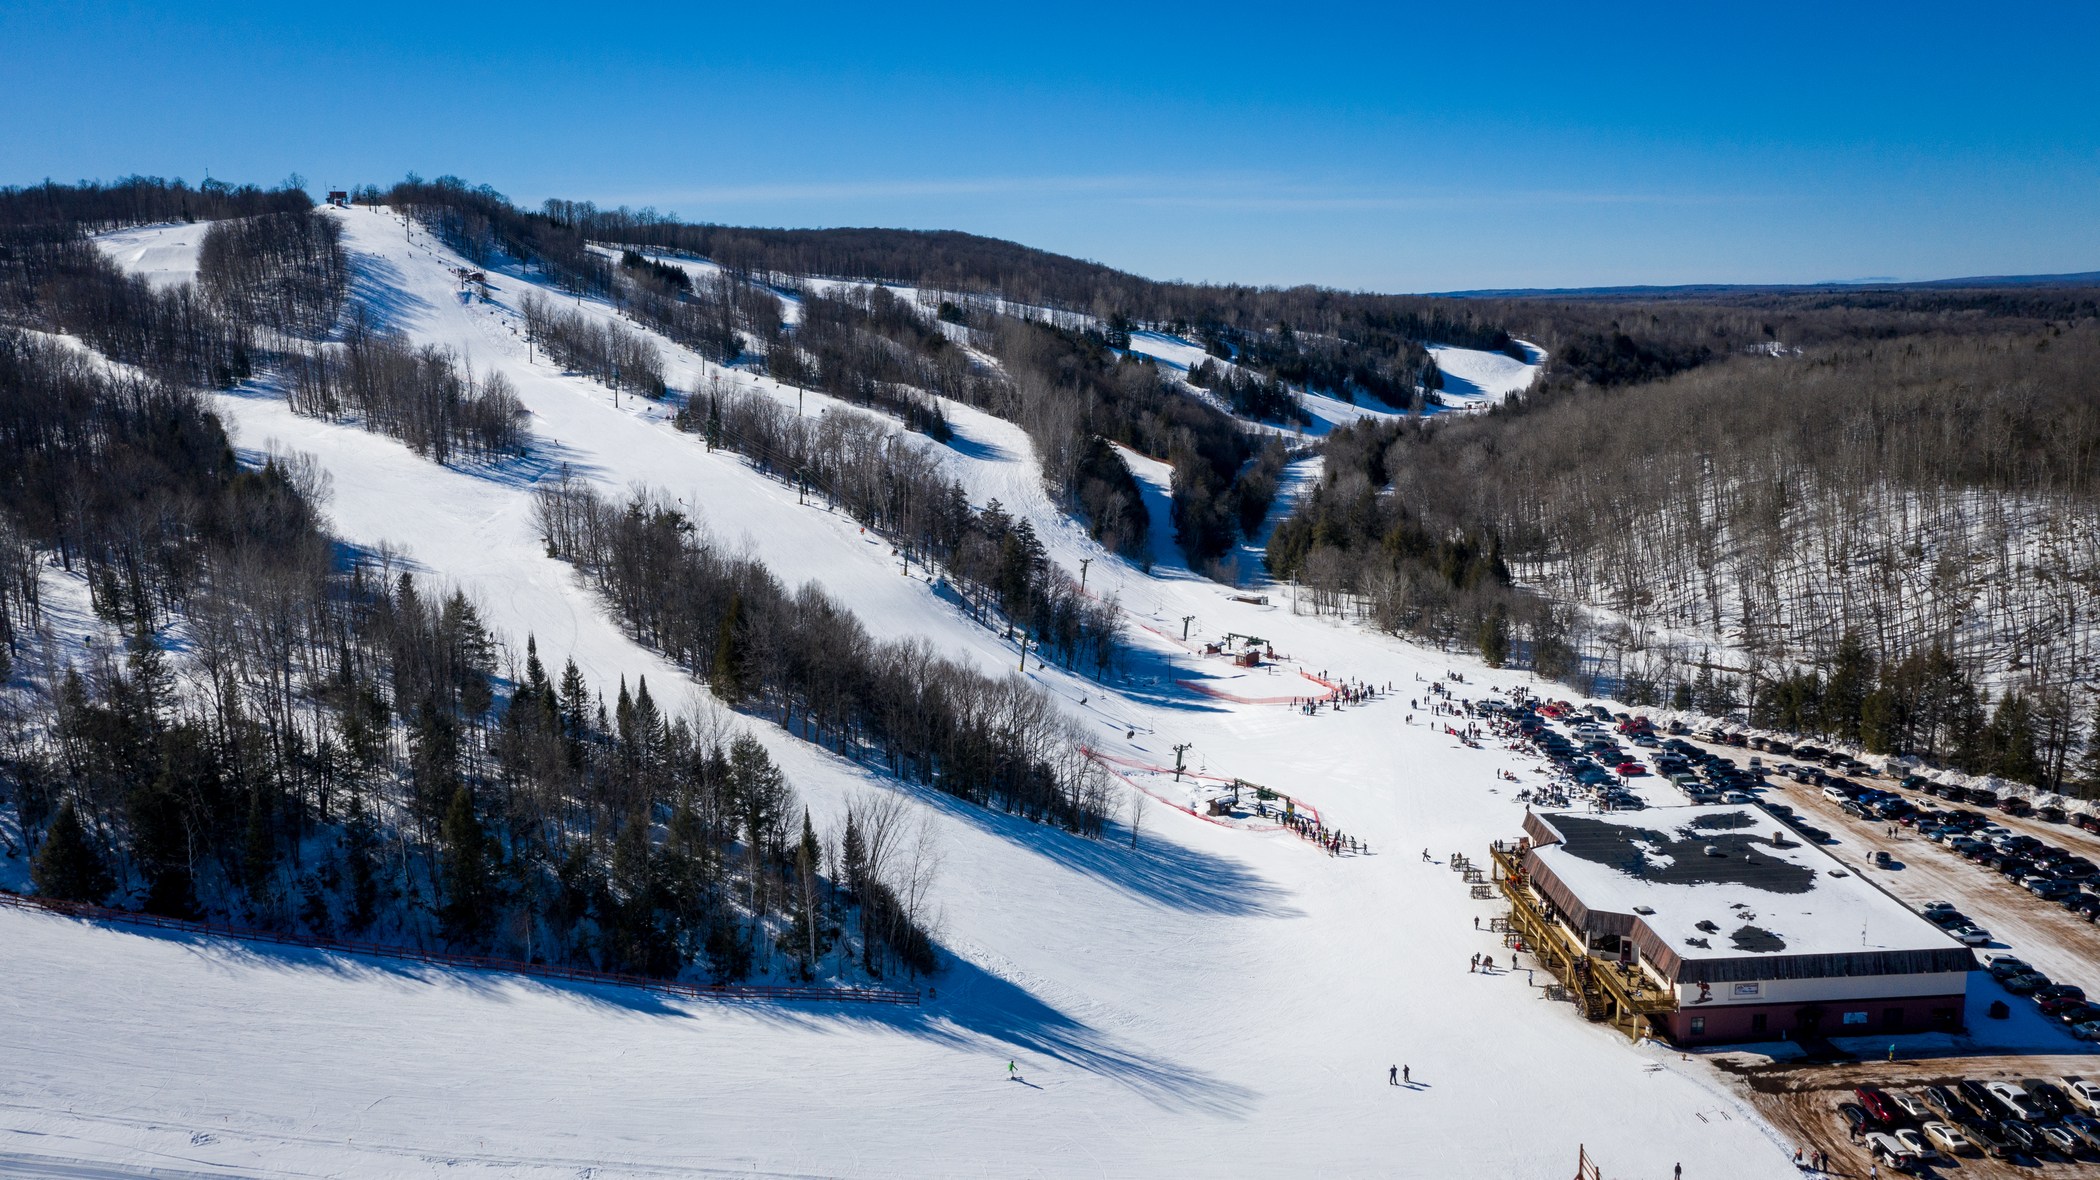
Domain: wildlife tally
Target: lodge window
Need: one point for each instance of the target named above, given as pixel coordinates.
(1757, 1022)
(1698, 1026)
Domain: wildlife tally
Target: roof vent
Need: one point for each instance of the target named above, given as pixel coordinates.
(1644, 909)
(1714, 850)
(1708, 926)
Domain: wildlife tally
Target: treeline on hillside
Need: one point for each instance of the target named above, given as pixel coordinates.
(53, 279)
(807, 660)
(141, 200)
(1069, 388)
(868, 347)
(483, 226)
(708, 317)
(1349, 545)
(1927, 703)
(1935, 493)
(329, 752)
(418, 395)
(1252, 395)
(965, 263)
(601, 349)
(285, 271)
(1073, 390)
(1612, 341)
(894, 485)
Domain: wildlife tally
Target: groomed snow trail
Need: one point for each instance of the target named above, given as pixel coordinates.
(1214, 1002)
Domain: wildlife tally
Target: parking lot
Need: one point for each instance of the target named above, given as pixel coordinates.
(1804, 1101)
(2063, 945)
(1972, 1133)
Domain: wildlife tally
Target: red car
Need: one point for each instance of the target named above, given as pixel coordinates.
(1877, 1104)
(1631, 769)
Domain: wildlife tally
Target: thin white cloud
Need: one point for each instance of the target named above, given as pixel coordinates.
(1225, 193)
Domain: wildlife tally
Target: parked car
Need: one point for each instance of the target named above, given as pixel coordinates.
(1890, 1151)
(2086, 1127)
(2012, 1100)
(1877, 1103)
(1856, 1118)
(1911, 1107)
(1989, 1135)
(1946, 1101)
(2082, 1093)
(2046, 1096)
(2089, 1031)
(2025, 985)
(2018, 1137)
(2070, 991)
(1973, 936)
(1948, 1139)
(2005, 964)
(1914, 1145)
(2062, 1141)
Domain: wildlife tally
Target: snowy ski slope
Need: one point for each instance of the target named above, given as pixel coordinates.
(1217, 1001)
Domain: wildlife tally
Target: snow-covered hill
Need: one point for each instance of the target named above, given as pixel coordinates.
(1212, 1001)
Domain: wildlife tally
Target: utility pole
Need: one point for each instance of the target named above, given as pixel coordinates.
(1185, 621)
(1083, 563)
(1179, 750)
(1024, 650)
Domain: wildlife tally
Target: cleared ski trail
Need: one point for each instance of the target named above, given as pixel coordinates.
(1212, 1002)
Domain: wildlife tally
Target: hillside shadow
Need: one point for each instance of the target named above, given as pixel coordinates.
(975, 1005)
(376, 291)
(971, 1005)
(1158, 871)
(543, 461)
(978, 449)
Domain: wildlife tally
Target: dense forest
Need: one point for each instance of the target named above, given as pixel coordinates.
(1868, 515)
(1911, 495)
(1069, 386)
(284, 732)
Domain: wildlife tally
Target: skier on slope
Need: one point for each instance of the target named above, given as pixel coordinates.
(1011, 1075)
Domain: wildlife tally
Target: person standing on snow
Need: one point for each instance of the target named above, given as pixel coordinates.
(1392, 1076)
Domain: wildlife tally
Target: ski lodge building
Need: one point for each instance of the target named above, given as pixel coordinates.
(1705, 924)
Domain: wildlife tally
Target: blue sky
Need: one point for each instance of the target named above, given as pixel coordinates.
(1390, 147)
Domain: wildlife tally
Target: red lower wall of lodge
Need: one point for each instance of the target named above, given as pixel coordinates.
(1702, 1025)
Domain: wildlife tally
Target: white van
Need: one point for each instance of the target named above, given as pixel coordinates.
(1837, 794)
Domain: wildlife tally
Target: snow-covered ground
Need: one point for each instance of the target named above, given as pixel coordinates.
(164, 255)
(1214, 1001)
(1476, 379)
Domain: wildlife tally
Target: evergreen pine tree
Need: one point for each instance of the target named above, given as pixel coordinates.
(465, 869)
(808, 938)
(731, 674)
(1845, 695)
(2011, 742)
(67, 867)
(361, 859)
(2087, 774)
(258, 843)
